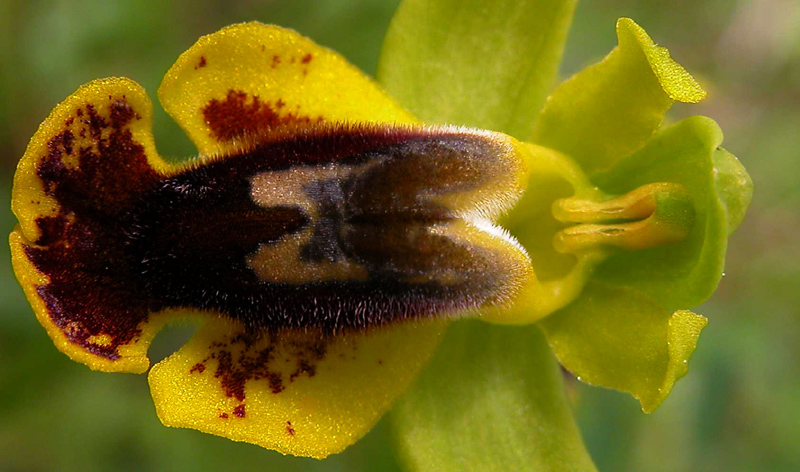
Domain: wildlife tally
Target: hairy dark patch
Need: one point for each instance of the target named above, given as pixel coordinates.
(129, 241)
(80, 248)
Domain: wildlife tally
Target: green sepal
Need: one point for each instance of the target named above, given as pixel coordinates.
(686, 273)
(476, 63)
(492, 399)
(619, 338)
(733, 185)
(610, 109)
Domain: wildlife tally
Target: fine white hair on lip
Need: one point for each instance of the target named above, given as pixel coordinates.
(458, 129)
(500, 201)
(487, 226)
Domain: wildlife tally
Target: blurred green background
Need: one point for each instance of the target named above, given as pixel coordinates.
(739, 408)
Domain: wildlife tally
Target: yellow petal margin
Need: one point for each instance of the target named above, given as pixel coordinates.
(253, 77)
(80, 124)
(620, 338)
(296, 393)
(132, 355)
(29, 199)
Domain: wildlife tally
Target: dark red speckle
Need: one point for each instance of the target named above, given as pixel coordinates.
(199, 368)
(307, 58)
(259, 363)
(238, 115)
(224, 416)
(121, 114)
(276, 59)
(95, 123)
(303, 367)
(275, 382)
(54, 229)
(62, 141)
(289, 428)
(201, 63)
(239, 411)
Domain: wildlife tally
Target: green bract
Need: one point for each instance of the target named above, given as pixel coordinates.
(626, 224)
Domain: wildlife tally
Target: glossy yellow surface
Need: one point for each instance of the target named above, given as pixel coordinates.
(353, 385)
(288, 73)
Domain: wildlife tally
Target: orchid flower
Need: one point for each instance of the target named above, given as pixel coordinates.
(333, 228)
